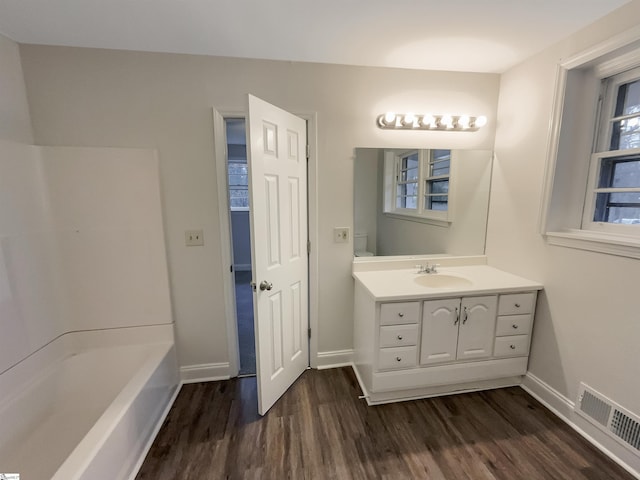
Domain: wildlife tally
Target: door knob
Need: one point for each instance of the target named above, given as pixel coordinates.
(264, 285)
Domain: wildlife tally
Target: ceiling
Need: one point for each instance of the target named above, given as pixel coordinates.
(460, 35)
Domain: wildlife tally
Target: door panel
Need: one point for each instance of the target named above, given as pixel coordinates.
(439, 331)
(278, 194)
(477, 327)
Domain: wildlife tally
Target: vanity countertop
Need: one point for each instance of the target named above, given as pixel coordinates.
(400, 284)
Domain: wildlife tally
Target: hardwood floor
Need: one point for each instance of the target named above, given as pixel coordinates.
(320, 430)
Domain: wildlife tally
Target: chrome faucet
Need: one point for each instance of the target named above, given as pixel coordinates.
(428, 268)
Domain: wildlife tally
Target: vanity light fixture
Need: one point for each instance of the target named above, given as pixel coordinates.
(427, 121)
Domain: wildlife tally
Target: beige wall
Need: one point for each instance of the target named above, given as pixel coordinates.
(587, 326)
(116, 98)
(14, 111)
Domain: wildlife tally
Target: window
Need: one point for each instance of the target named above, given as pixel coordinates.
(613, 198)
(417, 183)
(592, 186)
(237, 170)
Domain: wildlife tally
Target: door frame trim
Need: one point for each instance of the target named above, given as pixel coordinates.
(226, 244)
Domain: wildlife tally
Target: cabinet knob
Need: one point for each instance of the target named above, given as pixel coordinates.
(517, 305)
(398, 359)
(399, 337)
(512, 347)
(515, 326)
(401, 314)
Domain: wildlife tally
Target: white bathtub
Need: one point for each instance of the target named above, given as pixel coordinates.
(86, 406)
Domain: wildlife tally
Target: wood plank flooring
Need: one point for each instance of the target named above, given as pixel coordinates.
(320, 430)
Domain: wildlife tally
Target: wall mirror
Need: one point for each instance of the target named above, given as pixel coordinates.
(417, 201)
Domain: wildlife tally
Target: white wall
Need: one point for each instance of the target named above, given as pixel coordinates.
(81, 244)
(587, 326)
(15, 123)
(116, 98)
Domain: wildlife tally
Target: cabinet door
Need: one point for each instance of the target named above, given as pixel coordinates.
(440, 320)
(477, 327)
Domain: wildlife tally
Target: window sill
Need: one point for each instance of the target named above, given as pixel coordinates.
(417, 218)
(611, 244)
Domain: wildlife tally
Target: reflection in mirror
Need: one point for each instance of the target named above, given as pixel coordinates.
(421, 201)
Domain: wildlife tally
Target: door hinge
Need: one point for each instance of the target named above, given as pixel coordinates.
(308, 247)
(231, 268)
(309, 332)
(308, 152)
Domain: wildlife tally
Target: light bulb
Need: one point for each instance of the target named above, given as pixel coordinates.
(428, 120)
(446, 121)
(481, 121)
(463, 121)
(409, 119)
(389, 118)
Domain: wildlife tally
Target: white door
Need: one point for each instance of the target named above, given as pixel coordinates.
(278, 194)
(477, 327)
(440, 320)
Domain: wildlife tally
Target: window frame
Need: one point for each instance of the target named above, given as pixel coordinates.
(602, 143)
(392, 173)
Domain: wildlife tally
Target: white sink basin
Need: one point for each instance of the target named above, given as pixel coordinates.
(438, 280)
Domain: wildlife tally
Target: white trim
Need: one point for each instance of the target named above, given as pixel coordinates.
(154, 433)
(620, 245)
(314, 235)
(334, 359)
(563, 408)
(206, 372)
(226, 243)
(603, 48)
(552, 146)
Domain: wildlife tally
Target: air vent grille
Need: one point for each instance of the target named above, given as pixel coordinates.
(626, 428)
(614, 420)
(598, 409)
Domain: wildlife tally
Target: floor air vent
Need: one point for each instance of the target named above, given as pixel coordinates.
(617, 422)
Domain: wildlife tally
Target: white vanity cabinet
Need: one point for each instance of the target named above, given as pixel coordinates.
(424, 345)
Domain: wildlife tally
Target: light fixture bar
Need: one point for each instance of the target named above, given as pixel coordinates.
(445, 122)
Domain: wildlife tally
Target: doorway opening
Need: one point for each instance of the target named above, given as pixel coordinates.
(238, 188)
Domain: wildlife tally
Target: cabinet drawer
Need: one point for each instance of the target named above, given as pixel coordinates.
(513, 325)
(516, 303)
(399, 335)
(513, 346)
(397, 357)
(399, 313)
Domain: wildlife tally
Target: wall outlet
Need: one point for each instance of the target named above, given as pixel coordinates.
(193, 238)
(341, 234)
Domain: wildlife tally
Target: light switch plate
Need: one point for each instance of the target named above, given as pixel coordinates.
(193, 238)
(341, 234)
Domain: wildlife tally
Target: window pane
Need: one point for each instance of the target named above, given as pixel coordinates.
(620, 172)
(407, 202)
(440, 163)
(618, 208)
(438, 186)
(625, 134)
(436, 202)
(238, 197)
(628, 100)
(409, 168)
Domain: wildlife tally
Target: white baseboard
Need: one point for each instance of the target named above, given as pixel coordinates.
(208, 372)
(334, 359)
(563, 408)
